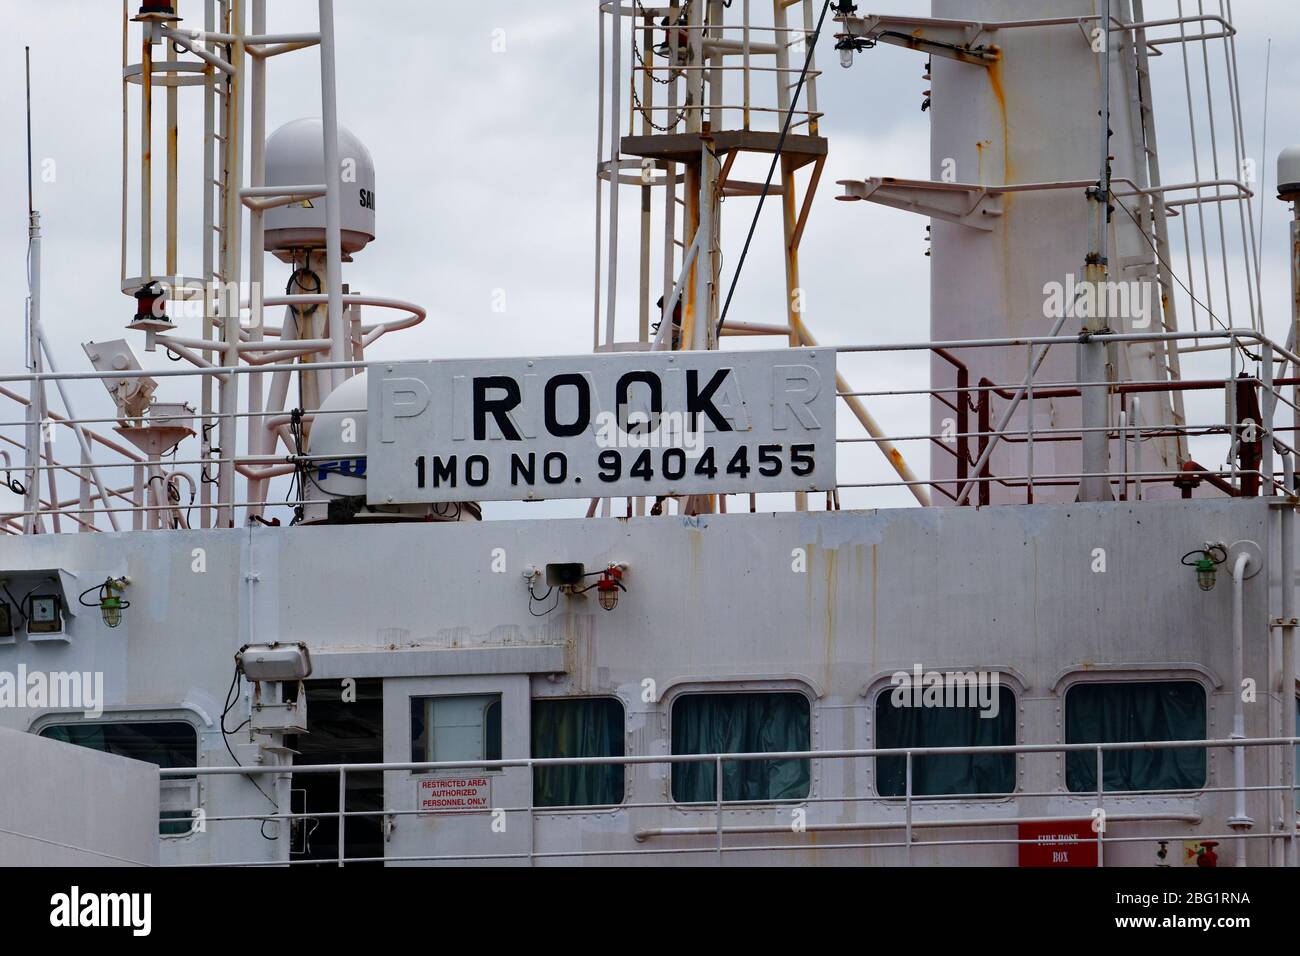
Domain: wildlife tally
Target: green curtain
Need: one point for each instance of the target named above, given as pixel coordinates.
(1112, 713)
(741, 723)
(903, 727)
(583, 727)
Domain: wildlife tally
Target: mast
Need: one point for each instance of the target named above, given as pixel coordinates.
(1095, 483)
(711, 85)
(36, 391)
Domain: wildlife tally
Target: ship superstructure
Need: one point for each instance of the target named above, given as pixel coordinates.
(1078, 649)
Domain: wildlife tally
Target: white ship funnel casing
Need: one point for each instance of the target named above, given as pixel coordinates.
(1012, 123)
(337, 469)
(295, 157)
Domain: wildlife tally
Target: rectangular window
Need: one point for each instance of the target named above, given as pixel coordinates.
(456, 728)
(167, 744)
(741, 723)
(584, 727)
(937, 726)
(1098, 712)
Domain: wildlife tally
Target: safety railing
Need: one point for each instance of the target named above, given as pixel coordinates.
(681, 64)
(1240, 424)
(906, 814)
(965, 437)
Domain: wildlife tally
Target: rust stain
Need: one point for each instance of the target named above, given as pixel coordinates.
(999, 93)
(1008, 173)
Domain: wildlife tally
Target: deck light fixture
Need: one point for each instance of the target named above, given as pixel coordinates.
(1206, 561)
(609, 585)
(849, 45)
(278, 662)
(108, 600)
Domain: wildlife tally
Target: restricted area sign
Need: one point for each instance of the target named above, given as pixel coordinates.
(1068, 843)
(443, 793)
(648, 423)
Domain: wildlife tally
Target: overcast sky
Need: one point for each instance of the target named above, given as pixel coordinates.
(486, 180)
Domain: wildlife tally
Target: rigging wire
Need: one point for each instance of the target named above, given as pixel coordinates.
(1173, 274)
(776, 158)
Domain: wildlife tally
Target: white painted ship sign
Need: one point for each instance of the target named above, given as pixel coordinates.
(600, 426)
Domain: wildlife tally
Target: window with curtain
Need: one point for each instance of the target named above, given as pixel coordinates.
(741, 723)
(467, 727)
(1109, 712)
(167, 744)
(579, 727)
(958, 774)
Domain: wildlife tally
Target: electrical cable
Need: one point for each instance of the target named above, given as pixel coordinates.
(231, 698)
(13, 484)
(18, 606)
(534, 597)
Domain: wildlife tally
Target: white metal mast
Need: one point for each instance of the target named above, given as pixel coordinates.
(227, 59)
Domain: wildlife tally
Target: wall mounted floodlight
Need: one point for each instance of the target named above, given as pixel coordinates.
(270, 667)
(108, 599)
(609, 586)
(274, 662)
(1206, 561)
(132, 394)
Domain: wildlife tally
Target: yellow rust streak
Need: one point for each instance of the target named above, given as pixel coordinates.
(999, 93)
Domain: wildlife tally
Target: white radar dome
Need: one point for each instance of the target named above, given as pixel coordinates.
(1288, 171)
(295, 156)
(335, 482)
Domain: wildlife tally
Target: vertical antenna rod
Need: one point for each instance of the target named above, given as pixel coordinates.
(35, 411)
(31, 208)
